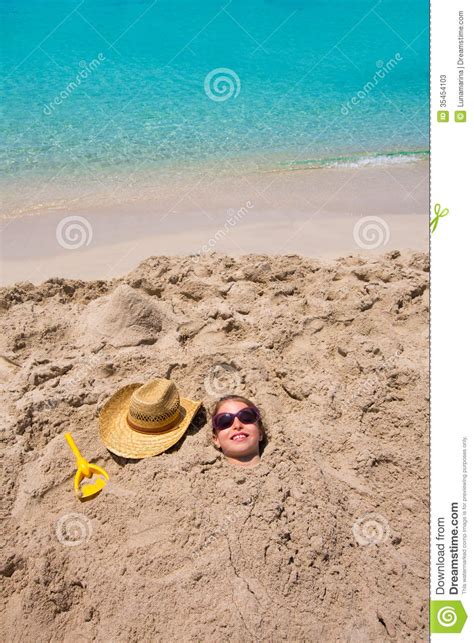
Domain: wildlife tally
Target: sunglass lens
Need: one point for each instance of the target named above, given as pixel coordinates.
(248, 416)
(224, 421)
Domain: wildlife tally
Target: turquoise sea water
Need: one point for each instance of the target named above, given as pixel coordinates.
(95, 90)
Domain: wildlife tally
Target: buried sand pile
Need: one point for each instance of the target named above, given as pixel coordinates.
(324, 540)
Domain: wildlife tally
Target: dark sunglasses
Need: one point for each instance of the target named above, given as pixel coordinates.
(248, 415)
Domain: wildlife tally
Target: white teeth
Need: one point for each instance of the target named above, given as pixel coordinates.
(240, 437)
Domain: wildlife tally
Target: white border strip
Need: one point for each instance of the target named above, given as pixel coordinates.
(452, 319)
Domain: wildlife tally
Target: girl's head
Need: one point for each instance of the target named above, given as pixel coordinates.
(237, 429)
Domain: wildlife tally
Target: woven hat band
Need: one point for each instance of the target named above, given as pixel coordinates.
(155, 424)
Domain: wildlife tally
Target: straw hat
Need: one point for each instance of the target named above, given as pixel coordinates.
(142, 420)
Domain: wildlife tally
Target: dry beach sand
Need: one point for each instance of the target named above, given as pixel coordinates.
(324, 541)
(309, 212)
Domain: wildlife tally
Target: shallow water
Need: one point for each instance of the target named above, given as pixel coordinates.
(113, 93)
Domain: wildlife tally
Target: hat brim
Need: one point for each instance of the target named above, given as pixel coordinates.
(121, 439)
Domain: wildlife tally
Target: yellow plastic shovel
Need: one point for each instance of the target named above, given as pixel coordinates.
(86, 470)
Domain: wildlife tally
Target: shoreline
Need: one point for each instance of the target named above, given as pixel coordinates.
(62, 193)
(313, 213)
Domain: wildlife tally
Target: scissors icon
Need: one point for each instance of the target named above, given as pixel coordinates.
(438, 215)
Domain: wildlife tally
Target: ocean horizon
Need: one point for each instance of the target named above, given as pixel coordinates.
(122, 93)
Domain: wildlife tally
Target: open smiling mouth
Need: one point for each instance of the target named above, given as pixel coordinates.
(239, 437)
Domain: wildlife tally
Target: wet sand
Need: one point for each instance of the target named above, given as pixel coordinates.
(310, 212)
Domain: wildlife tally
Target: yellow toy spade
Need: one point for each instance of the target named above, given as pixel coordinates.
(86, 470)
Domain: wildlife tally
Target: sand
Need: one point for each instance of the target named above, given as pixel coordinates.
(324, 540)
(309, 212)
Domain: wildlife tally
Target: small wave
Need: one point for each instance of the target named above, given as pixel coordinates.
(372, 160)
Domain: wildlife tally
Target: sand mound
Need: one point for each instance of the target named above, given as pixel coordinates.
(324, 540)
(127, 317)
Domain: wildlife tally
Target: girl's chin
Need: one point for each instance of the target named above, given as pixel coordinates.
(244, 447)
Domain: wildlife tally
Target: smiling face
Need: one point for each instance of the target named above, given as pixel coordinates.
(239, 441)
